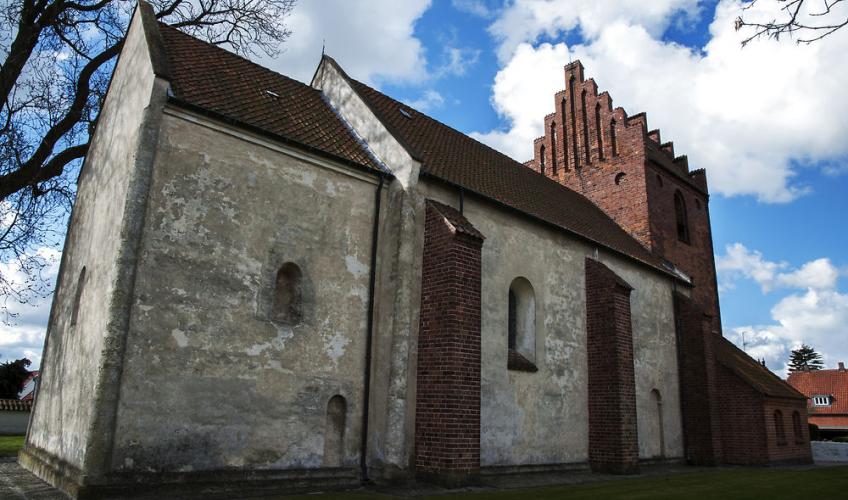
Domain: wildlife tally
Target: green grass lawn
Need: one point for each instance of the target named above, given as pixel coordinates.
(10, 445)
(753, 484)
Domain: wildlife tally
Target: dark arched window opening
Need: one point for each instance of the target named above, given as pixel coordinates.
(657, 399)
(553, 148)
(613, 144)
(779, 431)
(334, 432)
(598, 131)
(542, 160)
(78, 297)
(521, 326)
(288, 295)
(682, 218)
(619, 178)
(573, 123)
(512, 326)
(796, 427)
(586, 145)
(564, 136)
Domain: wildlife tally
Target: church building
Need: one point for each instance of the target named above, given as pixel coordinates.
(274, 286)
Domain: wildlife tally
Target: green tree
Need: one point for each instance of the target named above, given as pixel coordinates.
(805, 358)
(12, 377)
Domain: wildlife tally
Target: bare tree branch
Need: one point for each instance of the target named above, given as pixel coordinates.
(799, 19)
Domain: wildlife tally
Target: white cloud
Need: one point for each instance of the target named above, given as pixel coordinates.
(749, 116)
(475, 7)
(740, 262)
(24, 337)
(816, 318)
(373, 42)
(431, 99)
(528, 20)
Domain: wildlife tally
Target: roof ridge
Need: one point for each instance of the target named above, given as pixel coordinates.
(222, 50)
(425, 115)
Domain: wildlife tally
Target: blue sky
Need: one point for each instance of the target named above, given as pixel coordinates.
(768, 122)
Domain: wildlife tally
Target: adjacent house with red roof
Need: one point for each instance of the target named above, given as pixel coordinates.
(827, 398)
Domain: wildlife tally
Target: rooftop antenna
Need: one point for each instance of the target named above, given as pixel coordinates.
(323, 44)
(744, 345)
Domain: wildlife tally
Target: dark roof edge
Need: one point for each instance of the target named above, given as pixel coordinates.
(395, 135)
(536, 218)
(155, 43)
(738, 373)
(277, 137)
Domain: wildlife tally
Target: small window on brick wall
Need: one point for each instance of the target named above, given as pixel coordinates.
(288, 295)
(779, 431)
(796, 427)
(521, 326)
(682, 217)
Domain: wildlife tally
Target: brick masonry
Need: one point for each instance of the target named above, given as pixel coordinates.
(702, 433)
(613, 439)
(615, 161)
(612, 159)
(447, 421)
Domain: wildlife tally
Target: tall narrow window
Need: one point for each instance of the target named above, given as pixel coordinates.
(553, 148)
(613, 144)
(542, 159)
(796, 427)
(682, 218)
(521, 326)
(657, 400)
(334, 432)
(564, 136)
(288, 295)
(512, 322)
(598, 131)
(586, 145)
(779, 431)
(78, 297)
(573, 123)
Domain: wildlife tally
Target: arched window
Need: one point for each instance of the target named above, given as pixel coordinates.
(288, 295)
(542, 159)
(564, 135)
(796, 427)
(334, 432)
(682, 218)
(598, 131)
(553, 148)
(586, 145)
(613, 144)
(521, 326)
(657, 401)
(573, 123)
(78, 297)
(779, 431)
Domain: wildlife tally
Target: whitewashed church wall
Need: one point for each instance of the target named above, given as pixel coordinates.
(211, 381)
(542, 418)
(62, 420)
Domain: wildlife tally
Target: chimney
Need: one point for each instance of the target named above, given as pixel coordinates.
(841, 366)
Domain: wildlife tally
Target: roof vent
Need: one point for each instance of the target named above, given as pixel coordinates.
(405, 113)
(272, 94)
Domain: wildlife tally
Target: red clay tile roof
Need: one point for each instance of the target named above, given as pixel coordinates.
(211, 78)
(457, 220)
(825, 383)
(452, 156)
(756, 375)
